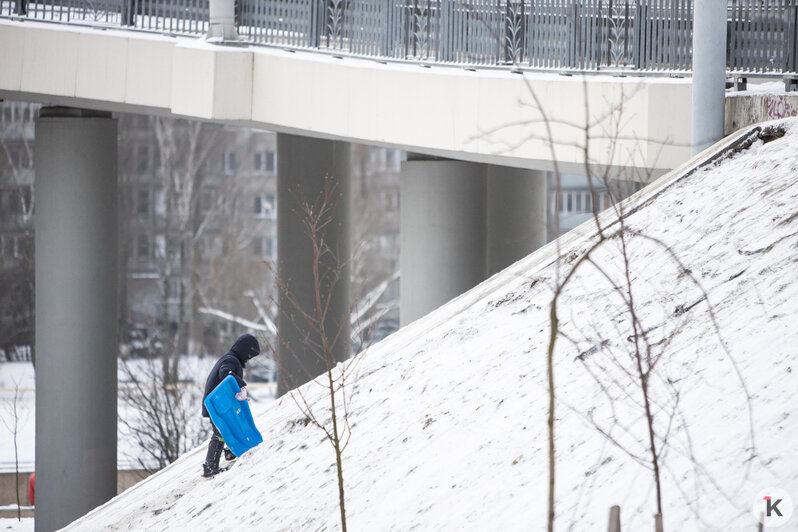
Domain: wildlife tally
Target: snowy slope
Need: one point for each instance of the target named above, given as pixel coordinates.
(450, 413)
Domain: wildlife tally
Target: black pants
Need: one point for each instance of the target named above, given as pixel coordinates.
(215, 447)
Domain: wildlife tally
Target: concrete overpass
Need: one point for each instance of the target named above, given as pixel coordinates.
(473, 190)
(491, 116)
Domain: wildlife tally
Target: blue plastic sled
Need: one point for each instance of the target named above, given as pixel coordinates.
(232, 417)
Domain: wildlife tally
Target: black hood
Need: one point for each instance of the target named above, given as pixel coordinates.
(245, 347)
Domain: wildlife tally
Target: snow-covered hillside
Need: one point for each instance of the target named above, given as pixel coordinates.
(449, 414)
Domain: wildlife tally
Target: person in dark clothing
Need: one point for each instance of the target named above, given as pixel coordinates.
(232, 363)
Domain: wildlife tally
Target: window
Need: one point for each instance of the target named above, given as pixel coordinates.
(569, 202)
(229, 162)
(265, 247)
(578, 202)
(265, 206)
(394, 159)
(589, 203)
(173, 285)
(15, 246)
(206, 201)
(142, 247)
(142, 158)
(8, 246)
(143, 201)
(265, 162)
(12, 203)
(390, 199)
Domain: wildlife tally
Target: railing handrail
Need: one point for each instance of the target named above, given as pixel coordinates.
(647, 36)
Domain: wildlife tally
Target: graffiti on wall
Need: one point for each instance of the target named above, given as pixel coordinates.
(781, 107)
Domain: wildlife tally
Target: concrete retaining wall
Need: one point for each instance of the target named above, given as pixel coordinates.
(743, 109)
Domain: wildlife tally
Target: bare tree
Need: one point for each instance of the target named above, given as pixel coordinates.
(317, 215)
(161, 415)
(16, 412)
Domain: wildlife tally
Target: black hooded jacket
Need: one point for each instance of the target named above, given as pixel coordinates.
(232, 363)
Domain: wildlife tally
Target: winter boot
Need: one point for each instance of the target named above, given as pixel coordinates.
(228, 455)
(211, 465)
(209, 470)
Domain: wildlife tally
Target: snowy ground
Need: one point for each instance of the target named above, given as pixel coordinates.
(14, 525)
(449, 414)
(17, 379)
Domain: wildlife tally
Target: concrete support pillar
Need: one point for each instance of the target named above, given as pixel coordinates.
(76, 313)
(442, 222)
(461, 223)
(709, 72)
(302, 164)
(516, 215)
(222, 20)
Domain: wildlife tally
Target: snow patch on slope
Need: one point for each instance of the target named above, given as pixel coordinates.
(449, 414)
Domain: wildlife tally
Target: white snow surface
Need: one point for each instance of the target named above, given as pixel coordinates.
(15, 525)
(449, 415)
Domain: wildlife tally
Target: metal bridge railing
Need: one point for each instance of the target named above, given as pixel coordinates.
(645, 35)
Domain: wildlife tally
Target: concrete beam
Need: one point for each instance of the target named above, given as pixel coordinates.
(487, 116)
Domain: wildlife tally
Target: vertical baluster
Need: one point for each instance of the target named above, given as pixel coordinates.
(557, 14)
(652, 34)
(557, 9)
(285, 22)
(783, 12)
(596, 38)
(751, 35)
(358, 28)
(476, 21)
(545, 21)
(664, 44)
(688, 33)
(461, 53)
(587, 21)
(776, 35)
(532, 29)
(474, 27)
(765, 36)
(656, 49)
(649, 35)
(742, 34)
(756, 42)
(739, 23)
(582, 18)
(684, 25)
(541, 19)
(563, 30)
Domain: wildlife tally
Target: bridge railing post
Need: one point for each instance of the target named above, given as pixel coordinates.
(222, 20)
